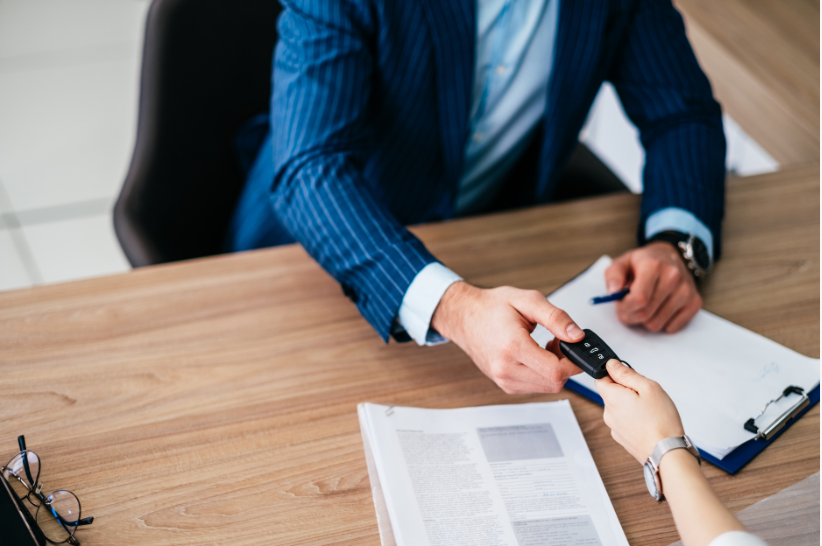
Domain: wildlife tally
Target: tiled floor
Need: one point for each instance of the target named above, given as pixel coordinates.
(69, 72)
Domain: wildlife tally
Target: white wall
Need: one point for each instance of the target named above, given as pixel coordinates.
(610, 135)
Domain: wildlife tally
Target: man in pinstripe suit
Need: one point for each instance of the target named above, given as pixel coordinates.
(393, 112)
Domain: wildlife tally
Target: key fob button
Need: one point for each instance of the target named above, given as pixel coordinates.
(590, 354)
(600, 357)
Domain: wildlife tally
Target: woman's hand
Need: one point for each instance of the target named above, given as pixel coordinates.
(637, 410)
(641, 414)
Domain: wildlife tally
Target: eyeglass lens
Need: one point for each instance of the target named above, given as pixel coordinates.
(59, 515)
(23, 480)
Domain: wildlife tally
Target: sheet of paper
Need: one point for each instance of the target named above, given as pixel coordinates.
(718, 374)
(518, 475)
(383, 520)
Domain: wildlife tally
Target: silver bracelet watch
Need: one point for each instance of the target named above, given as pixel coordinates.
(652, 464)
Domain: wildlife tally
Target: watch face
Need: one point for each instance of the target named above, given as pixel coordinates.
(701, 254)
(650, 481)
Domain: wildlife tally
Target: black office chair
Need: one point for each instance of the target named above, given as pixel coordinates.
(206, 69)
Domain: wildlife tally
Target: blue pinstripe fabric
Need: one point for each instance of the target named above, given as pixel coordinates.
(369, 117)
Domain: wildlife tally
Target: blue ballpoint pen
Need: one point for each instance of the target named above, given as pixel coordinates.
(616, 296)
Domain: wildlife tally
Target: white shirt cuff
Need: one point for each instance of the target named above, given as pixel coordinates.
(421, 300)
(677, 219)
(737, 538)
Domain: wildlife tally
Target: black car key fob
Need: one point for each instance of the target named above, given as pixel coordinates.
(591, 354)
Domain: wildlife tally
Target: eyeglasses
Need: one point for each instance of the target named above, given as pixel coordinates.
(58, 514)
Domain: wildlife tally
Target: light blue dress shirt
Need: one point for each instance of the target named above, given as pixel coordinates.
(514, 58)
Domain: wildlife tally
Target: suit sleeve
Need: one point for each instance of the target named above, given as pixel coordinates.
(669, 98)
(323, 65)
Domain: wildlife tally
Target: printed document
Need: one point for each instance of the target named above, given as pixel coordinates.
(518, 475)
(718, 374)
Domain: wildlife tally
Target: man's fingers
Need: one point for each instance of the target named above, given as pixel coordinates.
(529, 368)
(646, 275)
(553, 346)
(679, 299)
(536, 309)
(524, 366)
(544, 364)
(524, 387)
(524, 379)
(684, 315)
(669, 281)
(616, 276)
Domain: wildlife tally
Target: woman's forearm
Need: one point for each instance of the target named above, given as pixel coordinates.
(699, 515)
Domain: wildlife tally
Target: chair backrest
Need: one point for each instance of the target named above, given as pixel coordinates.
(206, 69)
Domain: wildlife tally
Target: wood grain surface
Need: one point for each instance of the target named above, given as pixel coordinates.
(214, 401)
(762, 57)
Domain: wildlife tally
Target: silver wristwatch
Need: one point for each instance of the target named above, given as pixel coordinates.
(692, 249)
(652, 464)
(696, 257)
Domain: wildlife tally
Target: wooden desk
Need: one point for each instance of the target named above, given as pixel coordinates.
(762, 57)
(214, 401)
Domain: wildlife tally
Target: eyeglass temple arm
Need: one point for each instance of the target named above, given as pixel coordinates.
(71, 538)
(21, 442)
(85, 521)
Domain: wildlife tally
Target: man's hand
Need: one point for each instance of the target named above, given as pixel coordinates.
(663, 291)
(637, 410)
(493, 326)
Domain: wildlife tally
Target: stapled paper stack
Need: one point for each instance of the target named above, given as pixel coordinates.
(517, 475)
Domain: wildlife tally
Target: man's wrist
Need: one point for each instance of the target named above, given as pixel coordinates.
(673, 219)
(421, 300)
(447, 317)
(690, 248)
(668, 247)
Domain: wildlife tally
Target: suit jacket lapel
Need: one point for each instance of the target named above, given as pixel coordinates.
(452, 24)
(577, 58)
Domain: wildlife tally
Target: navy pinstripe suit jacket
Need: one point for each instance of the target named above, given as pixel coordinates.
(369, 119)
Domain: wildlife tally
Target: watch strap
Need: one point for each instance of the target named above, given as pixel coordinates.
(672, 237)
(669, 444)
(691, 249)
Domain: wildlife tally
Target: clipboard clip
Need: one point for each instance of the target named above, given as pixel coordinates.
(766, 433)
